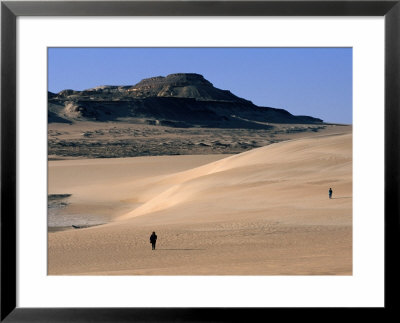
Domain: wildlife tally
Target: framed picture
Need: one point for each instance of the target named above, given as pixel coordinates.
(244, 222)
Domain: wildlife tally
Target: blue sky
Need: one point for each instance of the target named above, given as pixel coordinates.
(305, 81)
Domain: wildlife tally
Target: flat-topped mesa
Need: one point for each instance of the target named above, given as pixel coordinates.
(180, 99)
(177, 79)
(178, 85)
(182, 85)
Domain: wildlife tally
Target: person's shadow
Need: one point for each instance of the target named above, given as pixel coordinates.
(341, 197)
(181, 249)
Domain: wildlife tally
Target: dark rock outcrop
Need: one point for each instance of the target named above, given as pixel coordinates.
(179, 100)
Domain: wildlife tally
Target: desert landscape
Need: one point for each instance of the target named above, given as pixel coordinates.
(240, 193)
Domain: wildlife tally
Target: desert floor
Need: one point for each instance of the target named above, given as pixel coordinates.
(86, 139)
(262, 212)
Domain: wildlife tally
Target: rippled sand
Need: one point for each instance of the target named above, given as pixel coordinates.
(262, 212)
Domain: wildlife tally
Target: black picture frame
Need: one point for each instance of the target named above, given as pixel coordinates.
(10, 10)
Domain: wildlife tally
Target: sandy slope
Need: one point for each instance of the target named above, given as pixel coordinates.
(262, 212)
(106, 188)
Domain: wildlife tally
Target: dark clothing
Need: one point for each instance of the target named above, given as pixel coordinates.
(330, 193)
(153, 239)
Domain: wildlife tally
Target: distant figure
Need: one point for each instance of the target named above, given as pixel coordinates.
(330, 193)
(153, 239)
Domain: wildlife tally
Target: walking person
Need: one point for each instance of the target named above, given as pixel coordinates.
(153, 239)
(330, 193)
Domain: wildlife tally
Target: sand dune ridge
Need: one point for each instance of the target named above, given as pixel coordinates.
(261, 170)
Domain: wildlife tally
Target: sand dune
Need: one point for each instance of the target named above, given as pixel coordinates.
(102, 189)
(260, 177)
(262, 212)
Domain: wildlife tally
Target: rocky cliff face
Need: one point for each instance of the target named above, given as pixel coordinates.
(178, 100)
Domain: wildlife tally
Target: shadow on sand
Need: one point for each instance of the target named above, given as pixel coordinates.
(340, 197)
(181, 249)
